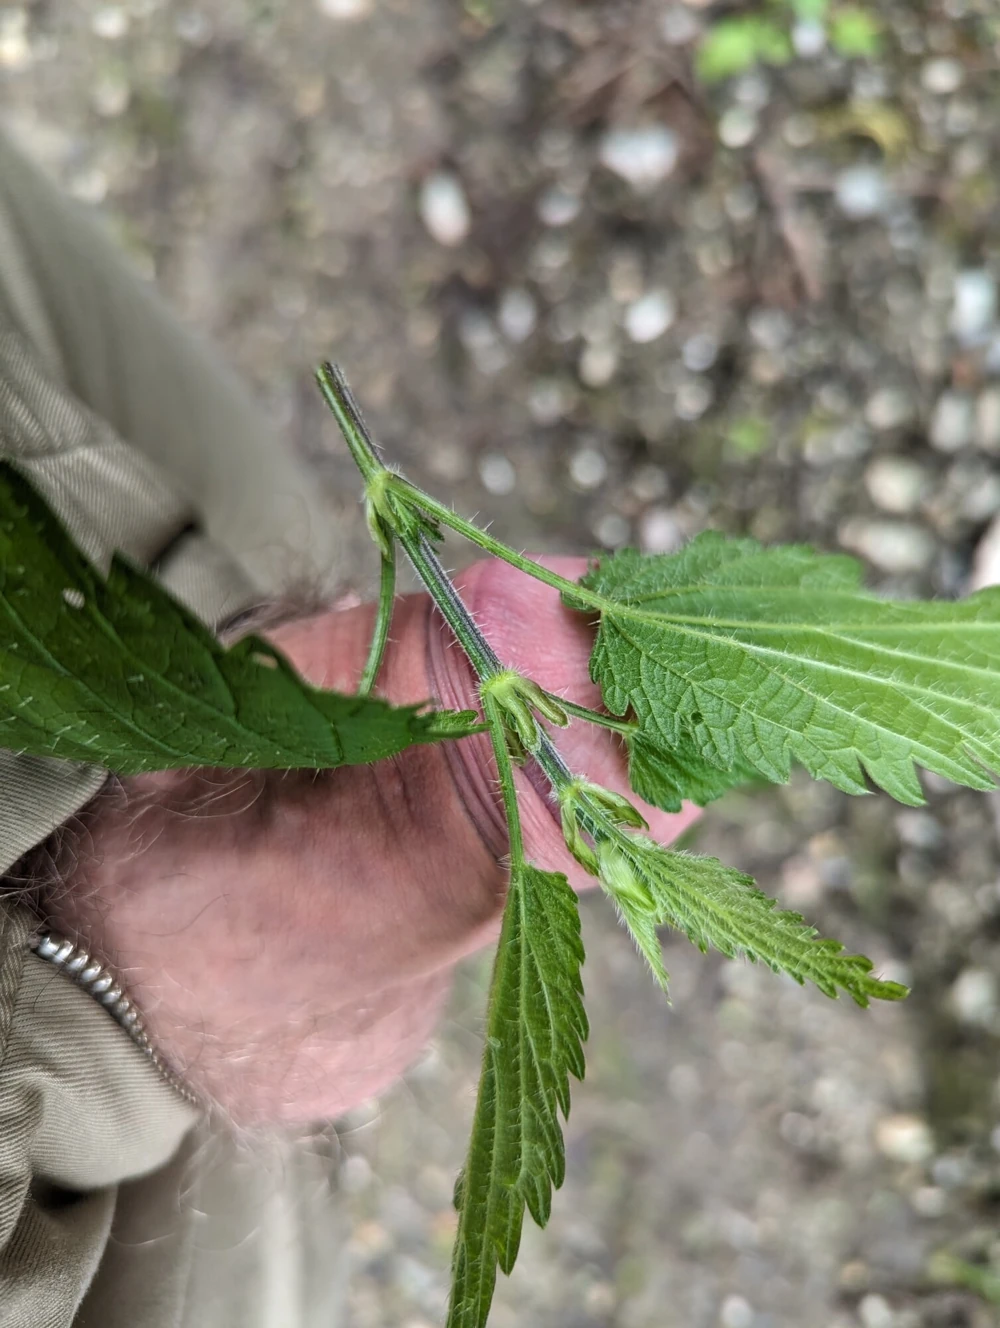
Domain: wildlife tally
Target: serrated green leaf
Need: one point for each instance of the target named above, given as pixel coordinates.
(760, 657)
(716, 906)
(667, 777)
(536, 1027)
(115, 672)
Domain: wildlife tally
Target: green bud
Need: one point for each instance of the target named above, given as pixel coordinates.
(620, 878)
(542, 702)
(575, 842)
(618, 807)
(377, 529)
(520, 718)
(516, 698)
(515, 746)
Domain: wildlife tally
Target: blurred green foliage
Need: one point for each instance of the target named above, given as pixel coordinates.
(736, 43)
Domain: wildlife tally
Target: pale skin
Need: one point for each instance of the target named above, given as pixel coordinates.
(290, 938)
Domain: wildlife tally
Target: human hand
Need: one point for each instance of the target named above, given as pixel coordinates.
(290, 936)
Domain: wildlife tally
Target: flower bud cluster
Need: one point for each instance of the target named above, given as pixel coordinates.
(609, 858)
(388, 512)
(518, 698)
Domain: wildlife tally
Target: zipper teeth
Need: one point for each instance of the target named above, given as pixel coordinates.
(100, 983)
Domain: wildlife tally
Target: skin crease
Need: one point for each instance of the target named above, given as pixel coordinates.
(290, 936)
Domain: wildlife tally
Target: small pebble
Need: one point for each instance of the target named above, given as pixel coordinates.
(643, 156)
(991, 356)
(479, 337)
(892, 546)
(854, 1276)
(659, 531)
(649, 483)
(15, 48)
(110, 96)
(736, 1313)
(974, 307)
(861, 191)
(904, 1138)
(693, 399)
(771, 329)
(973, 997)
(889, 408)
(941, 76)
(876, 1312)
(896, 484)
(598, 363)
(808, 38)
(929, 1201)
(981, 499)
(649, 317)
(194, 28)
(684, 1083)
(517, 314)
(549, 400)
(678, 26)
(600, 1300)
(588, 468)
(613, 530)
(986, 560)
(799, 130)
(497, 474)
(345, 10)
(475, 330)
(558, 207)
(110, 22)
(952, 422)
(700, 352)
(444, 208)
(741, 202)
(988, 419)
(737, 127)
(919, 829)
(753, 89)
(355, 1174)
(951, 1171)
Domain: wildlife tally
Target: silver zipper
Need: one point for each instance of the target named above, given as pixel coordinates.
(100, 983)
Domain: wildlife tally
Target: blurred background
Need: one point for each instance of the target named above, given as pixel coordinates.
(611, 273)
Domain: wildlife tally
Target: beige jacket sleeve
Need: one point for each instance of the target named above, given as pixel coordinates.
(120, 1205)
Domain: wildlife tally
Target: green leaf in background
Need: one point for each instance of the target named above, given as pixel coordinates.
(810, 11)
(949, 1269)
(735, 657)
(854, 32)
(115, 672)
(734, 45)
(536, 1027)
(719, 907)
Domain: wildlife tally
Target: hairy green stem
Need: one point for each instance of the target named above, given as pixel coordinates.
(485, 541)
(505, 771)
(440, 587)
(339, 397)
(621, 726)
(383, 618)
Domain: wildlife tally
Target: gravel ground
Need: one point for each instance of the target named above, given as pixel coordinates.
(599, 305)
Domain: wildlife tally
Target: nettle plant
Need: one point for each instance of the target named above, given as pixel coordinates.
(720, 664)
